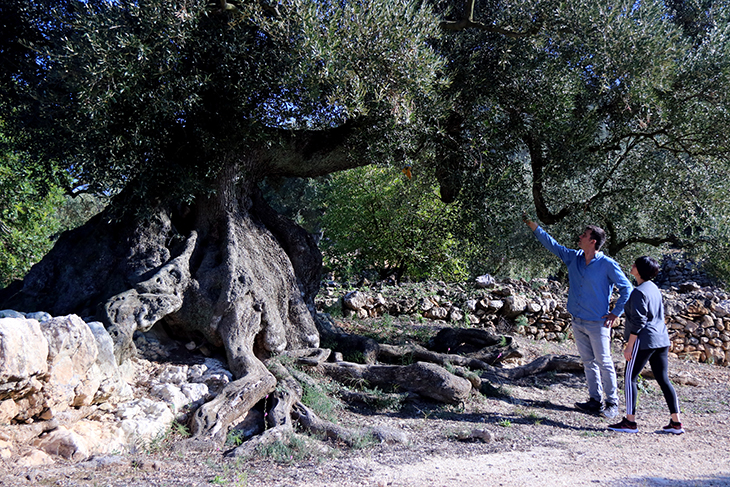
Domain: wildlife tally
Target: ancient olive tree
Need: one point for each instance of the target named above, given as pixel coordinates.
(180, 108)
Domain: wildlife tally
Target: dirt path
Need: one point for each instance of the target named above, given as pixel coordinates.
(639, 460)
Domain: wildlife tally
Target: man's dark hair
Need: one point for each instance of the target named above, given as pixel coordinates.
(598, 235)
(647, 267)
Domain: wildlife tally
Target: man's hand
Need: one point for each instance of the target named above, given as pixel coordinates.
(530, 223)
(610, 318)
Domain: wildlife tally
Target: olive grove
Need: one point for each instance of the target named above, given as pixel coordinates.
(179, 109)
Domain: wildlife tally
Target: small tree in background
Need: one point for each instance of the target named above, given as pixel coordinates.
(375, 218)
(28, 219)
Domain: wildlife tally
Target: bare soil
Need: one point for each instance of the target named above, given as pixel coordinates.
(537, 436)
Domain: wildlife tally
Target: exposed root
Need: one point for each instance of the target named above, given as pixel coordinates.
(410, 351)
(214, 418)
(546, 363)
(466, 340)
(351, 437)
(427, 379)
(288, 392)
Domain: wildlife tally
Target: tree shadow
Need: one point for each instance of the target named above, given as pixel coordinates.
(537, 420)
(708, 481)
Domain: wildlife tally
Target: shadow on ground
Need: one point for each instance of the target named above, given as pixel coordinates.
(710, 481)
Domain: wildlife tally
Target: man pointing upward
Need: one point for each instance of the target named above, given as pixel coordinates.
(591, 277)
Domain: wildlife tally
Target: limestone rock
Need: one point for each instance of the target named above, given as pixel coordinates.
(514, 306)
(8, 410)
(23, 367)
(721, 309)
(23, 353)
(63, 443)
(112, 386)
(35, 458)
(9, 313)
(72, 352)
(355, 300)
(436, 313)
(482, 434)
(143, 421)
(485, 281)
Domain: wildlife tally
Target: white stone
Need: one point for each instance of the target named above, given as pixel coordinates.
(514, 306)
(455, 314)
(144, 421)
(721, 309)
(63, 443)
(174, 374)
(8, 411)
(355, 300)
(112, 385)
(171, 394)
(485, 281)
(101, 438)
(9, 313)
(35, 458)
(195, 392)
(436, 313)
(23, 350)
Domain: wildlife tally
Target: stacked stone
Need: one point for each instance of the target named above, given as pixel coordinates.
(546, 319)
(535, 309)
(699, 325)
(698, 318)
(677, 269)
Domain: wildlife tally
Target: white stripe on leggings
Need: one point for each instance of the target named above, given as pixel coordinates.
(627, 379)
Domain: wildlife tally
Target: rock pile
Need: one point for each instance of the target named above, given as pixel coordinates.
(536, 308)
(699, 324)
(64, 393)
(678, 269)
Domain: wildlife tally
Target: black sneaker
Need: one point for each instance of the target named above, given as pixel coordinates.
(625, 426)
(591, 406)
(673, 428)
(610, 411)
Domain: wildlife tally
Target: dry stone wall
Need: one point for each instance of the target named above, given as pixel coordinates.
(697, 313)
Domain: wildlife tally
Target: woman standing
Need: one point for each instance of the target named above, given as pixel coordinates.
(647, 341)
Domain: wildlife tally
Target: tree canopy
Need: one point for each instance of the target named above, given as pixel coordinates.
(590, 112)
(613, 113)
(165, 94)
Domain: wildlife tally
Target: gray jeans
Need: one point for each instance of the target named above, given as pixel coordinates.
(594, 347)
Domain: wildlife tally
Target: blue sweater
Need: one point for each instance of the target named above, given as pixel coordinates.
(589, 294)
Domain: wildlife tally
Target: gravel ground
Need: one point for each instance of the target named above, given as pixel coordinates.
(536, 435)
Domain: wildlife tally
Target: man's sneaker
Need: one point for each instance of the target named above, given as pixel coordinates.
(591, 406)
(610, 411)
(625, 426)
(673, 428)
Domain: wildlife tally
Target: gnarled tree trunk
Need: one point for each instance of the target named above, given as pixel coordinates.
(217, 269)
(213, 269)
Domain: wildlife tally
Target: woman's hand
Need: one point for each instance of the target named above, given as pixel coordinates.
(627, 352)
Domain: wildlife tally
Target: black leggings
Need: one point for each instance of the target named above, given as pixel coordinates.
(658, 359)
